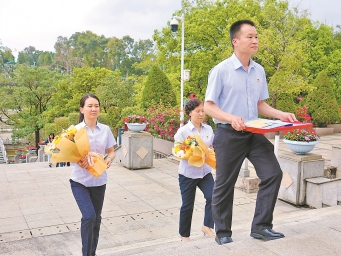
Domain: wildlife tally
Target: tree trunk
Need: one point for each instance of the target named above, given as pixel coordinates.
(274, 98)
(36, 132)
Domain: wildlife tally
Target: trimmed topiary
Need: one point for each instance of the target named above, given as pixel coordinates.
(321, 102)
(157, 89)
(286, 103)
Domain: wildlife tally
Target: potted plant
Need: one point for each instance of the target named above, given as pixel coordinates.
(41, 144)
(135, 123)
(300, 141)
(22, 158)
(19, 152)
(31, 149)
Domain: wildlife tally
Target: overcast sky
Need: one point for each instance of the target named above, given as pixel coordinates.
(38, 23)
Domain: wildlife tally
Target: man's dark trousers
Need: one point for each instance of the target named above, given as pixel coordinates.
(231, 148)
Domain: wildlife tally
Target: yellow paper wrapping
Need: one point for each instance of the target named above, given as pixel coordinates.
(47, 149)
(99, 165)
(199, 155)
(70, 151)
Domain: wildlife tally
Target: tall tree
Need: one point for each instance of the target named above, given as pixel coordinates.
(28, 99)
(28, 56)
(90, 47)
(6, 59)
(72, 88)
(282, 46)
(65, 59)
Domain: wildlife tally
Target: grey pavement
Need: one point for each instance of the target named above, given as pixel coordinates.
(39, 216)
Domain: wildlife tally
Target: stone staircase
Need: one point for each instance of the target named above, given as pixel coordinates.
(39, 216)
(2, 159)
(311, 232)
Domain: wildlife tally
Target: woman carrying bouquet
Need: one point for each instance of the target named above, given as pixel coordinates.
(191, 177)
(88, 190)
(48, 141)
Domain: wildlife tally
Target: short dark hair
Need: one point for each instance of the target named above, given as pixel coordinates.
(82, 103)
(192, 104)
(235, 28)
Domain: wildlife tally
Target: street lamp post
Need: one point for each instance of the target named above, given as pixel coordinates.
(174, 26)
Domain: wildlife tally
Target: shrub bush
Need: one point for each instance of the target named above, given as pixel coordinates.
(61, 123)
(73, 118)
(49, 128)
(163, 121)
(157, 89)
(321, 102)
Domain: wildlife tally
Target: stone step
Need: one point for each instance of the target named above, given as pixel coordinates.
(307, 233)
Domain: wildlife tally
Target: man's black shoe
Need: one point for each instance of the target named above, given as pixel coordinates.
(266, 234)
(223, 240)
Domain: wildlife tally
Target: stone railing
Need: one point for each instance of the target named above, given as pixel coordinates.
(3, 150)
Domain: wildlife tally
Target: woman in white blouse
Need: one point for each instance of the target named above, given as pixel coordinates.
(88, 190)
(191, 177)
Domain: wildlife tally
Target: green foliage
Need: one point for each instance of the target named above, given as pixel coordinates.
(73, 118)
(113, 91)
(27, 99)
(6, 57)
(321, 102)
(72, 88)
(286, 103)
(61, 123)
(157, 89)
(292, 49)
(114, 119)
(49, 128)
(103, 118)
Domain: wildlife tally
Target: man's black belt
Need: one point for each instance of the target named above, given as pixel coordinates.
(229, 127)
(225, 126)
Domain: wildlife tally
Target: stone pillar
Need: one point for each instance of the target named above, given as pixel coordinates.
(323, 192)
(137, 150)
(30, 158)
(244, 171)
(336, 159)
(296, 169)
(41, 155)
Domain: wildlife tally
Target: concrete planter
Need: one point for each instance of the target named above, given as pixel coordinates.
(337, 127)
(296, 169)
(323, 131)
(137, 150)
(300, 147)
(336, 159)
(136, 127)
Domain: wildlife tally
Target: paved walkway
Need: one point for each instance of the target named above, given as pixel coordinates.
(39, 216)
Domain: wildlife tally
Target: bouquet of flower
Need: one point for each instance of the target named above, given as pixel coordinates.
(72, 145)
(305, 135)
(195, 151)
